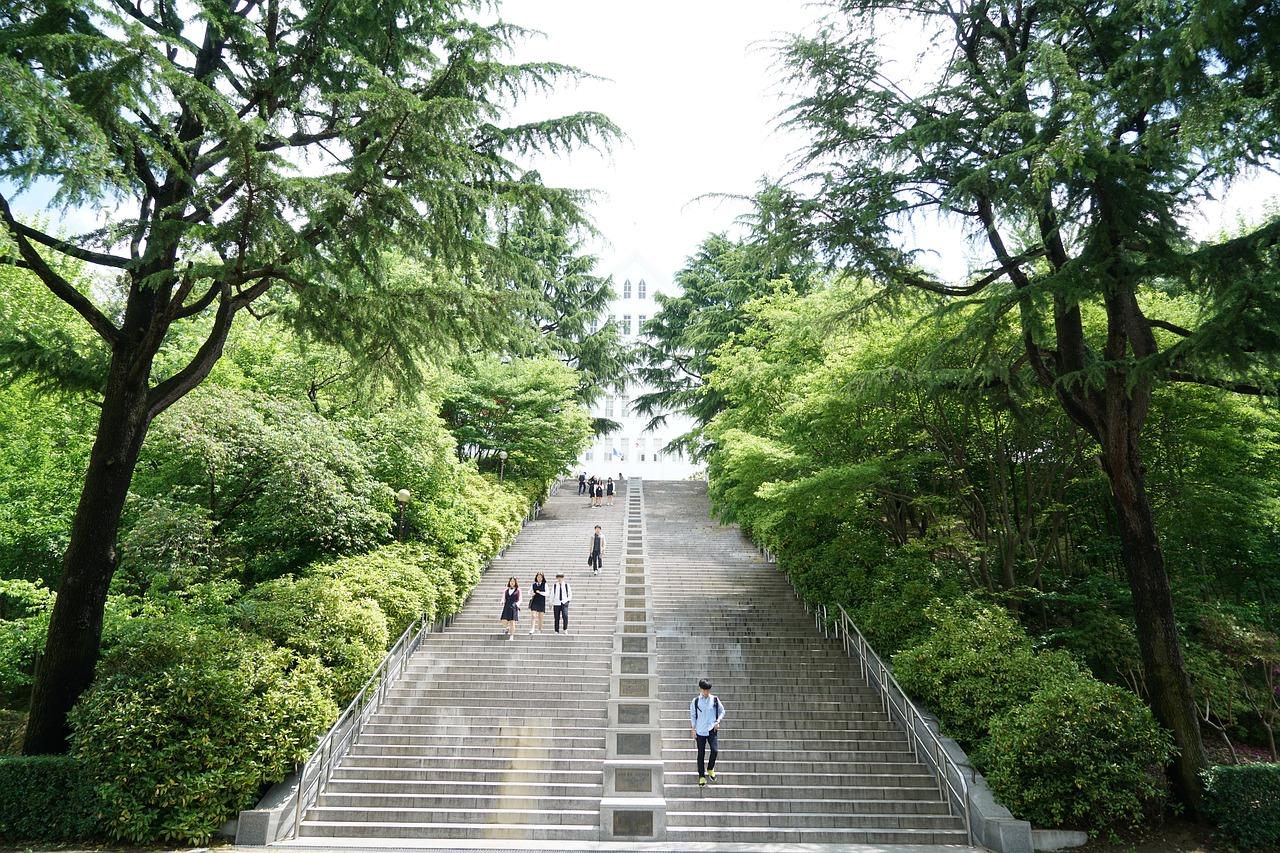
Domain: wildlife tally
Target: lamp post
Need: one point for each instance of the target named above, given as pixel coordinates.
(502, 466)
(402, 498)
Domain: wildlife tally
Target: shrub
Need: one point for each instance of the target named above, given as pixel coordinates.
(1078, 752)
(319, 618)
(976, 664)
(46, 798)
(187, 722)
(891, 602)
(1243, 802)
(402, 579)
(407, 581)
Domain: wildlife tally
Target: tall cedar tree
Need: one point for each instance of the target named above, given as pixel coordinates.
(262, 152)
(569, 306)
(715, 286)
(1072, 139)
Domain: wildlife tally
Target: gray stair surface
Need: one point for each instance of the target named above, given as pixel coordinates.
(490, 743)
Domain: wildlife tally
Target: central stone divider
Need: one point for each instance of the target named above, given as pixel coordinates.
(634, 807)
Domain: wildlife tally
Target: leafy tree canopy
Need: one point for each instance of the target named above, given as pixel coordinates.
(525, 407)
(349, 166)
(715, 285)
(1072, 141)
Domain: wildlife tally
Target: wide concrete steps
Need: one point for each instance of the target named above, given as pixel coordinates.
(490, 743)
(485, 737)
(807, 753)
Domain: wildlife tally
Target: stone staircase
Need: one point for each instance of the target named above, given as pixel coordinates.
(806, 751)
(487, 740)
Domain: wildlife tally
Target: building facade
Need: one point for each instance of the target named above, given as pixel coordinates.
(631, 451)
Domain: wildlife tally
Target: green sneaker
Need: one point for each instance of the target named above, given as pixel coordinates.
(702, 781)
(712, 774)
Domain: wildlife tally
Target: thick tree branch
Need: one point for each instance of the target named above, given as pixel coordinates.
(58, 285)
(69, 249)
(1170, 327)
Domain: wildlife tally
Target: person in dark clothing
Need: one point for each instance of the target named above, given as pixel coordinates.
(511, 607)
(595, 557)
(608, 491)
(537, 603)
(582, 483)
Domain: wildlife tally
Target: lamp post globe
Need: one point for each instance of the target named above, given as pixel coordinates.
(502, 465)
(402, 498)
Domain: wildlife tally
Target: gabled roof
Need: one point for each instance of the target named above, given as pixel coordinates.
(636, 265)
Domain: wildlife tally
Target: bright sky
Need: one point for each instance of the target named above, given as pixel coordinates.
(691, 84)
(694, 87)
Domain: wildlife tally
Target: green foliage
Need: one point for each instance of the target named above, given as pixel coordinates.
(977, 664)
(455, 510)
(188, 720)
(1078, 753)
(281, 485)
(567, 313)
(24, 621)
(1243, 802)
(716, 284)
(42, 460)
(319, 618)
(406, 581)
(42, 344)
(1058, 747)
(46, 798)
(524, 406)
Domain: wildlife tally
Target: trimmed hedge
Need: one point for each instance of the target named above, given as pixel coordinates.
(1243, 802)
(46, 798)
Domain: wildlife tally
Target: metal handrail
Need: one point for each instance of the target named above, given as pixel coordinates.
(334, 744)
(903, 711)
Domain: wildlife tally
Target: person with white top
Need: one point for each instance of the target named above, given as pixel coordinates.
(560, 595)
(705, 713)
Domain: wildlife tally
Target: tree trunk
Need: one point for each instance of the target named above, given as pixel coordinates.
(75, 627)
(1168, 685)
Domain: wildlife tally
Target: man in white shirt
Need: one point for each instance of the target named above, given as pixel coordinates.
(560, 596)
(705, 713)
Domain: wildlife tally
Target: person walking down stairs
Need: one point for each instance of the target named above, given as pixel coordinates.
(705, 713)
(538, 603)
(595, 558)
(561, 595)
(511, 607)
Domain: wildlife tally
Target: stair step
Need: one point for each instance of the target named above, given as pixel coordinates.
(486, 740)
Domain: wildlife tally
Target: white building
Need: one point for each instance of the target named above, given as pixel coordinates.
(631, 451)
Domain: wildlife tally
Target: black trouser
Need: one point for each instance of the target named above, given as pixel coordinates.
(559, 610)
(714, 739)
(582, 487)
(596, 561)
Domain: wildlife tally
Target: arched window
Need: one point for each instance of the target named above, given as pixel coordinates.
(626, 289)
(641, 288)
